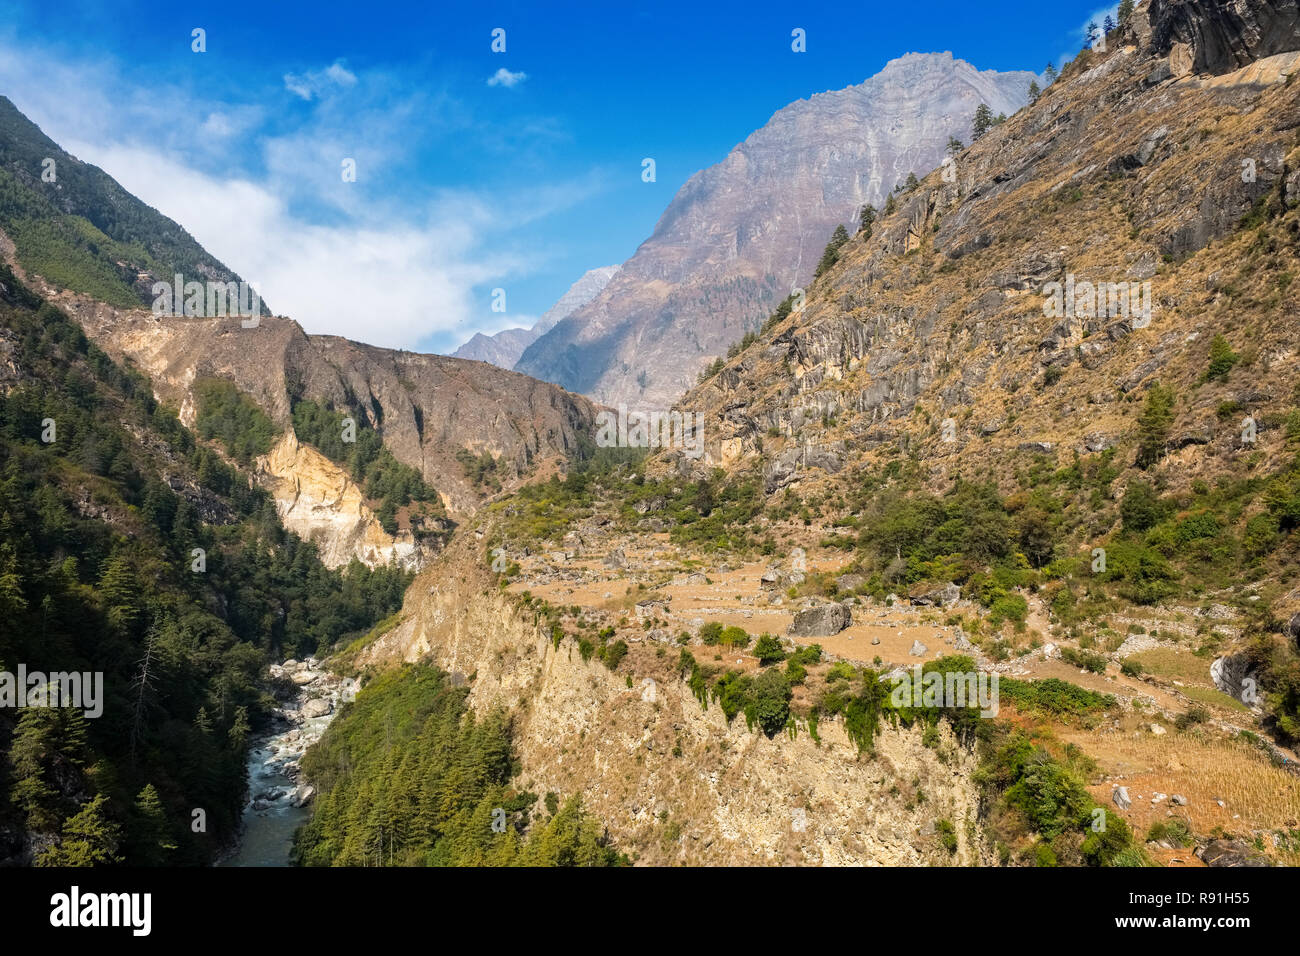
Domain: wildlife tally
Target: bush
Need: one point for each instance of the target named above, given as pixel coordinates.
(1222, 359)
(768, 650)
(711, 633)
(1084, 659)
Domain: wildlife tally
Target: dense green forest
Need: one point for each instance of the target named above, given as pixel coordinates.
(432, 788)
(129, 548)
(226, 414)
(82, 231)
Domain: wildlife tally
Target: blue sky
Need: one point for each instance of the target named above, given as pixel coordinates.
(463, 185)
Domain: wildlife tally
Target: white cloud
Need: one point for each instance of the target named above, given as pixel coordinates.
(386, 260)
(504, 77)
(315, 83)
(387, 284)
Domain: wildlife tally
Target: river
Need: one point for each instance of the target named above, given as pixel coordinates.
(279, 802)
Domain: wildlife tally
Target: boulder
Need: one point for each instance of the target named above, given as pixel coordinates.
(1121, 798)
(317, 707)
(1230, 853)
(1231, 674)
(918, 649)
(941, 596)
(821, 620)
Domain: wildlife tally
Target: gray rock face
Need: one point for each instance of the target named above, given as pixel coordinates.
(1230, 674)
(1225, 35)
(942, 596)
(740, 235)
(823, 620)
(504, 348)
(1230, 853)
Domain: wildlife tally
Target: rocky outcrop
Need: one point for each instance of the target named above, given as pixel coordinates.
(1219, 36)
(317, 501)
(638, 757)
(740, 235)
(1231, 853)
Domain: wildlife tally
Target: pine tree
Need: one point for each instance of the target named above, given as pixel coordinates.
(151, 842)
(982, 122)
(1034, 91)
(119, 590)
(1126, 12)
(955, 146)
(89, 839)
(1050, 73)
(1154, 423)
(48, 753)
(866, 220)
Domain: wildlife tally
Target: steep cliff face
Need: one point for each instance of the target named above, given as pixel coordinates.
(318, 501)
(1122, 173)
(1224, 35)
(427, 407)
(739, 235)
(673, 782)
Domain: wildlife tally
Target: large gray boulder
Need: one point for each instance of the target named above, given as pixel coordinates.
(821, 620)
(317, 707)
(1230, 853)
(942, 596)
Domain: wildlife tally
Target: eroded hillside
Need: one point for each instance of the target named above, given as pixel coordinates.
(924, 465)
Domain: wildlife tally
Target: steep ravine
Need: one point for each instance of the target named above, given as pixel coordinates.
(674, 783)
(278, 800)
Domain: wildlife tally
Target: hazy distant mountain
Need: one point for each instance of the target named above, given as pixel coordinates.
(739, 235)
(505, 347)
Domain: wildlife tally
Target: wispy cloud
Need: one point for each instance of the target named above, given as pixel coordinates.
(388, 259)
(504, 77)
(318, 82)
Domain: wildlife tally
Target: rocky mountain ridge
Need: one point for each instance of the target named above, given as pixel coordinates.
(740, 235)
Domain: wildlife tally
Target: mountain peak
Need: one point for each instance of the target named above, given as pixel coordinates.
(741, 234)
